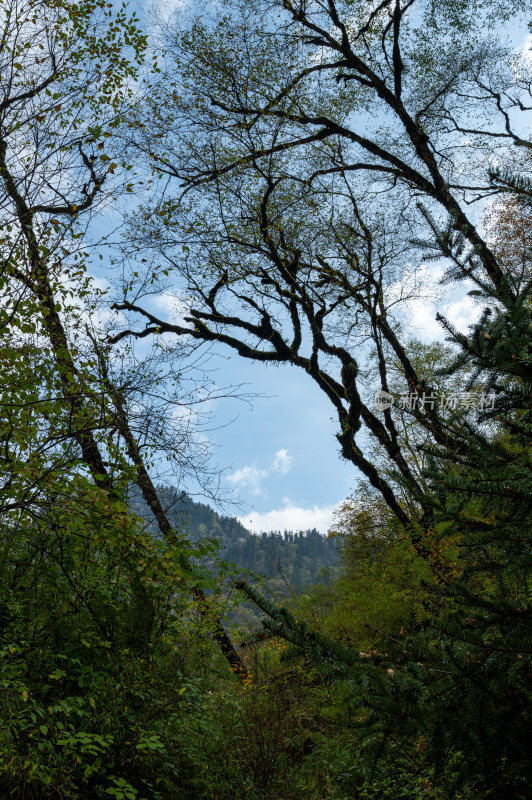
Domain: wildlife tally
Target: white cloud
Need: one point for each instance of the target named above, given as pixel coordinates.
(462, 313)
(523, 59)
(290, 517)
(421, 295)
(525, 51)
(249, 477)
(422, 320)
(422, 317)
(171, 306)
(282, 462)
(415, 296)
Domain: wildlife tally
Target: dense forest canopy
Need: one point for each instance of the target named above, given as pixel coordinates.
(291, 171)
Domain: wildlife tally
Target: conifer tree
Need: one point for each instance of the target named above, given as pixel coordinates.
(459, 683)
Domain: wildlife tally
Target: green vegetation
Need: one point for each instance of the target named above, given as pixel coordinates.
(249, 153)
(290, 560)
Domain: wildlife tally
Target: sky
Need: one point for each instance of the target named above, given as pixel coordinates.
(278, 455)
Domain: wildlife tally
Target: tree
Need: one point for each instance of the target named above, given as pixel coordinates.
(95, 611)
(378, 595)
(290, 255)
(74, 65)
(474, 640)
(261, 124)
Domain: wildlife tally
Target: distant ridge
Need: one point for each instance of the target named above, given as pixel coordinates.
(290, 559)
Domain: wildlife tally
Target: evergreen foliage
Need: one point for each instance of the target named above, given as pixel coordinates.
(460, 677)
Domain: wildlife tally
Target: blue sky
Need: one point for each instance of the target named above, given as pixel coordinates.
(281, 454)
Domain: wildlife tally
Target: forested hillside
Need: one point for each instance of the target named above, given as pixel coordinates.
(341, 190)
(293, 559)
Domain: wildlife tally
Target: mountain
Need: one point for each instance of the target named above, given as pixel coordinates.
(290, 560)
